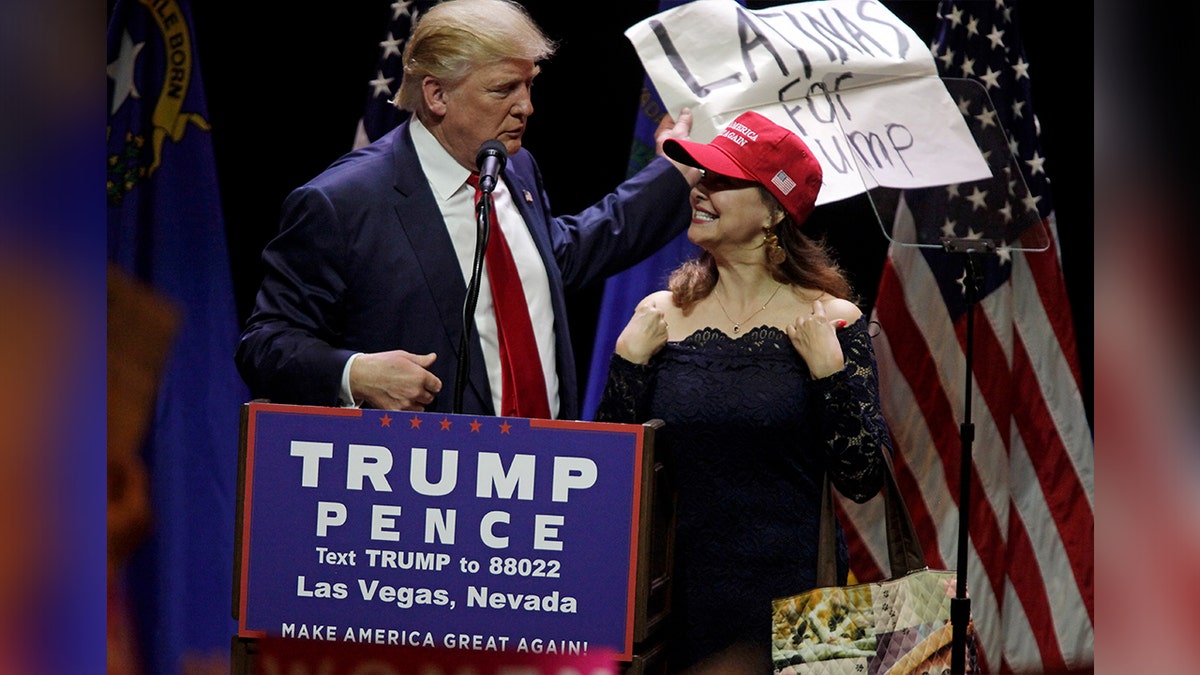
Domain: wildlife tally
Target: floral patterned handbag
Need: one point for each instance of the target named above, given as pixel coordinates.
(899, 626)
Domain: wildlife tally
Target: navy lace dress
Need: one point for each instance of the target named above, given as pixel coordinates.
(748, 437)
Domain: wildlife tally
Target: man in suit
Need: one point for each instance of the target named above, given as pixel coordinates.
(362, 301)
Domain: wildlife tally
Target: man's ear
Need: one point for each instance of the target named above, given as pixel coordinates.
(434, 93)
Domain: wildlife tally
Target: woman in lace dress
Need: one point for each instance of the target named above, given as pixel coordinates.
(761, 366)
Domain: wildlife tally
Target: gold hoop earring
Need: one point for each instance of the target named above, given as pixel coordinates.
(775, 253)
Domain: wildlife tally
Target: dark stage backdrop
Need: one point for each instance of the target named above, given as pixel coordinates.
(286, 88)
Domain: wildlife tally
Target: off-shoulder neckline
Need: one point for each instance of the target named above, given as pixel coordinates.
(761, 333)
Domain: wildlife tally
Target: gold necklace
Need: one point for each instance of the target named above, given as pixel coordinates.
(737, 325)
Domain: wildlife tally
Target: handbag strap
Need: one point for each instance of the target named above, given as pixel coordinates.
(904, 548)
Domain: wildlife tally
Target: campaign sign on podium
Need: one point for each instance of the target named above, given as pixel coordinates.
(438, 530)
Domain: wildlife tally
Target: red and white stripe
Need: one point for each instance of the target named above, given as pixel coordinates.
(1030, 571)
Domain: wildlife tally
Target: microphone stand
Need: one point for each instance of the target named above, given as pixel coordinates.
(490, 159)
(483, 219)
(960, 605)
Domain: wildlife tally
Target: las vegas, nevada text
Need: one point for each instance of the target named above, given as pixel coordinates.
(478, 597)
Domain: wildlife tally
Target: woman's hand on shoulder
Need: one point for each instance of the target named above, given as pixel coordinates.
(814, 335)
(646, 332)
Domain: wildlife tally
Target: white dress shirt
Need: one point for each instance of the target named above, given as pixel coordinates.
(456, 200)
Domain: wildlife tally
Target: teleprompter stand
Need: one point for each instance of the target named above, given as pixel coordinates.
(960, 604)
(964, 229)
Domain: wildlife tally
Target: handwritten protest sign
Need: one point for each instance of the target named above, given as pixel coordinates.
(853, 80)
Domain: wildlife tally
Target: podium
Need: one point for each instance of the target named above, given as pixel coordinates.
(456, 532)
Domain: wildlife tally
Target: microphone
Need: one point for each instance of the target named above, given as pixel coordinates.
(490, 159)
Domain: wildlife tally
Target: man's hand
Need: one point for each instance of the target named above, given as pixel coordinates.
(395, 380)
(680, 130)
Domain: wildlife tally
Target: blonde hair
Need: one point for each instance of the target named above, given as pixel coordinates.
(457, 35)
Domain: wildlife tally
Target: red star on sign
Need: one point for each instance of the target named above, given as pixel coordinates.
(475, 424)
(504, 427)
(385, 421)
(414, 423)
(446, 423)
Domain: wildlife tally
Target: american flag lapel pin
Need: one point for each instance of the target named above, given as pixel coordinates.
(528, 197)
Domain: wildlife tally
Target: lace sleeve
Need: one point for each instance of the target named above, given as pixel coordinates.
(851, 420)
(626, 396)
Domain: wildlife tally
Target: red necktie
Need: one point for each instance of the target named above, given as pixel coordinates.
(523, 393)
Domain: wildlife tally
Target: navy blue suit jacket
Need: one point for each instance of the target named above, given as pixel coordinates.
(363, 262)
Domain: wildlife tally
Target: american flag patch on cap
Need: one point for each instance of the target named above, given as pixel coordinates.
(783, 182)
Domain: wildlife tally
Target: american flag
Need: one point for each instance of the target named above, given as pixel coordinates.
(1030, 566)
(784, 182)
(379, 115)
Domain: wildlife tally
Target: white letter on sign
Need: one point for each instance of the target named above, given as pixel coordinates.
(329, 514)
(578, 473)
(312, 453)
(368, 461)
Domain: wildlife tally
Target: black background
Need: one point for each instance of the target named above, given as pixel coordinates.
(285, 90)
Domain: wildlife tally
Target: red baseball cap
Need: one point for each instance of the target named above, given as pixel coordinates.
(754, 148)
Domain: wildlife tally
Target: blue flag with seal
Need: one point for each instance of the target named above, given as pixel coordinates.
(165, 227)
